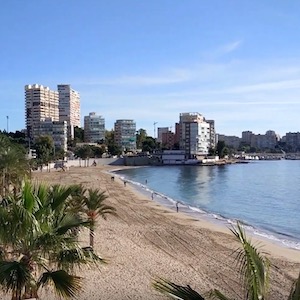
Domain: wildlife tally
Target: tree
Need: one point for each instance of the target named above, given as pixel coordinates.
(211, 151)
(44, 147)
(112, 147)
(253, 267)
(92, 204)
(220, 148)
(141, 136)
(38, 244)
(13, 165)
(109, 137)
(98, 150)
(225, 151)
(149, 144)
(78, 134)
(18, 137)
(84, 152)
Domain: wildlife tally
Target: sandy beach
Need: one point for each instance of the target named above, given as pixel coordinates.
(146, 241)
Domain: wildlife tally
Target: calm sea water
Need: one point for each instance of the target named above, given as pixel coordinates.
(264, 195)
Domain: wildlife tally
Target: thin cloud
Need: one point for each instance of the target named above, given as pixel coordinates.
(222, 50)
(175, 76)
(267, 86)
(230, 47)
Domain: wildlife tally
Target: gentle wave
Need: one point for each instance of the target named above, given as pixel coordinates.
(196, 212)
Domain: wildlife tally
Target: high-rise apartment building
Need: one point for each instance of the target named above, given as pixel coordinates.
(229, 140)
(212, 133)
(69, 107)
(160, 131)
(292, 140)
(57, 130)
(94, 128)
(125, 134)
(168, 140)
(41, 103)
(194, 134)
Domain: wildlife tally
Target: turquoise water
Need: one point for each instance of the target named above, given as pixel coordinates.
(264, 195)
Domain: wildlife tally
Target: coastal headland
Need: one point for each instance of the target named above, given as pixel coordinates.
(147, 241)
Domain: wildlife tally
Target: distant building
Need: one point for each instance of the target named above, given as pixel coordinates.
(125, 134)
(267, 141)
(167, 140)
(230, 140)
(41, 103)
(177, 134)
(173, 157)
(69, 107)
(194, 134)
(261, 141)
(292, 140)
(160, 131)
(94, 128)
(57, 130)
(247, 137)
(212, 133)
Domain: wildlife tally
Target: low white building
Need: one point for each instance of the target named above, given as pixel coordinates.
(173, 157)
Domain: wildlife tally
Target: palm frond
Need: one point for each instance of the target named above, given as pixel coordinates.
(94, 205)
(51, 242)
(58, 195)
(176, 291)
(14, 275)
(65, 285)
(42, 191)
(3, 253)
(295, 290)
(216, 294)
(68, 259)
(70, 221)
(78, 190)
(19, 222)
(29, 201)
(95, 198)
(252, 265)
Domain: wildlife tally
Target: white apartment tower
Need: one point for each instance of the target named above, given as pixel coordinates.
(194, 134)
(94, 128)
(69, 107)
(125, 134)
(40, 104)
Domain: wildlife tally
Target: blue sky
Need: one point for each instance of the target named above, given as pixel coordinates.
(236, 62)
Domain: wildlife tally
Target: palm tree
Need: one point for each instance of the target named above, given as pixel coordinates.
(93, 206)
(37, 245)
(254, 269)
(13, 165)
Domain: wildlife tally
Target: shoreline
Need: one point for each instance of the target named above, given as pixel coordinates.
(147, 240)
(206, 220)
(219, 221)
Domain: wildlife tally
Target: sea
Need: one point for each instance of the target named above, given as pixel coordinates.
(263, 195)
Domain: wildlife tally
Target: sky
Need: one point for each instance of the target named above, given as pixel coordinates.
(235, 62)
